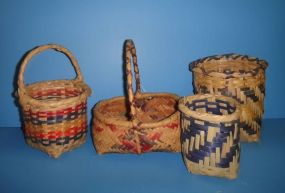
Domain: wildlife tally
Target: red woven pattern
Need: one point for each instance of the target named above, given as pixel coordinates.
(71, 132)
(55, 93)
(58, 116)
(47, 114)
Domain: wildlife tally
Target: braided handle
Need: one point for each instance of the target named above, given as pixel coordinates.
(40, 49)
(130, 53)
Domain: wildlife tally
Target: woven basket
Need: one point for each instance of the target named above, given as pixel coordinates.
(54, 112)
(139, 123)
(210, 135)
(240, 77)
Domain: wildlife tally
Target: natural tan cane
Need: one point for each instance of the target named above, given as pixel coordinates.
(210, 135)
(138, 123)
(240, 77)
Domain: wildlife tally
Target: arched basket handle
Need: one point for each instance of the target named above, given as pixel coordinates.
(131, 58)
(43, 48)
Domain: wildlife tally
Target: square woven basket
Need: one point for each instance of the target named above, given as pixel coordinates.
(210, 135)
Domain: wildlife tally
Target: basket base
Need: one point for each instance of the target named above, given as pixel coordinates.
(102, 150)
(245, 137)
(55, 150)
(196, 168)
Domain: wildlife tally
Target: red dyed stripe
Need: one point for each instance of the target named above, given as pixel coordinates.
(172, 125)
(57, 134)
(99, 129)
(112, 127)
(56, 92)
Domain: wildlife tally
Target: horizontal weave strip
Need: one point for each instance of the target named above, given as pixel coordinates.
(216, 106)
(54, 93)
(58, 141)
(261, 64)
(195, 128)
(57, 133)
(53, 117)
(248, 129)
(197, 155)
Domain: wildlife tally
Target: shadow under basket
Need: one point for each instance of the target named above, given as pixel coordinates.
(240, 77)
(54, 112)
(139, 122)
(210, 135)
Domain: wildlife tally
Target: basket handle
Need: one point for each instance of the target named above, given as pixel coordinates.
(40, 49)
(130, 53)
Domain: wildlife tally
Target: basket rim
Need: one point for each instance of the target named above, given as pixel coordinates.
(26, 99)
(261, 64)
(128, 123)
(206, 116)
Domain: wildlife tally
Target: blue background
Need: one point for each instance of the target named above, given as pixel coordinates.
(169, 34)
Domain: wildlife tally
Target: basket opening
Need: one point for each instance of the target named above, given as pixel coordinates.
(149, 109)
(211, 106)
(54, 93)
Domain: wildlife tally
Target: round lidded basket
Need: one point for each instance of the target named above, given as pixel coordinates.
(139, 122)
(54, 112)
(210, 135)
(240, 77)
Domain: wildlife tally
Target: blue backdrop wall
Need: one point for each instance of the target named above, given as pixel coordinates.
(169, 34)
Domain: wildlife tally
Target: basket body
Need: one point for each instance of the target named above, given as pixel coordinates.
(113, 132)
(57, 128)
(53, 112)
(210, 135)
(240, 77)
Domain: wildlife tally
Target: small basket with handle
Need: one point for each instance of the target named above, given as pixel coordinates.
(54, 112)
(138, 123)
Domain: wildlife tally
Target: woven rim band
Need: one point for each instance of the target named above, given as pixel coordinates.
(196, 66)
(78, 80)
(206, 116)
(125, 123)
